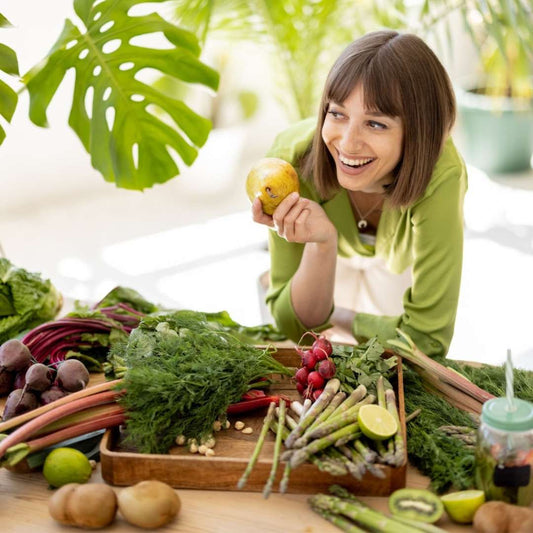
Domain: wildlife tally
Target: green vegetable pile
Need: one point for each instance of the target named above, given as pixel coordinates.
(445, 459)
(26, 300)
(182, 373)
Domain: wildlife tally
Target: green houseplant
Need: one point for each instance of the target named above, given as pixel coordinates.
(133, 132)
(304, 38)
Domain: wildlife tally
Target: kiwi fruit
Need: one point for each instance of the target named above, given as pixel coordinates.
(416, 504)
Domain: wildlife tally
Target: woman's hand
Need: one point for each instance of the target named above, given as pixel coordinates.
(297, 219)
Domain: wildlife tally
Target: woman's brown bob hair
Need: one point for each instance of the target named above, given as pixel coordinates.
(401, 77)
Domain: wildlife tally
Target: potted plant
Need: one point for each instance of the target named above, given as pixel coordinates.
(133, 131)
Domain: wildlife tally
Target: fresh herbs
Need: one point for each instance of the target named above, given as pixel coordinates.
(362, 365)
(182, 374)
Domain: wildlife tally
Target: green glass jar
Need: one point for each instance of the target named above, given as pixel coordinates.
(504, 452)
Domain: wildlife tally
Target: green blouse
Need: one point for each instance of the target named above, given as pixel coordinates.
(427, 235)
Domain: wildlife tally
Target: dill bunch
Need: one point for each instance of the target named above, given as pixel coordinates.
(182, 374)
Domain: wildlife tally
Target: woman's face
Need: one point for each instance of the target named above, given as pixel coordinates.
(366, 145)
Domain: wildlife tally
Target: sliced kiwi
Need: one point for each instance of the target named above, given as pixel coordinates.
(416, 504)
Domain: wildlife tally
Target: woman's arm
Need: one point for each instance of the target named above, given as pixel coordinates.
(302, 221)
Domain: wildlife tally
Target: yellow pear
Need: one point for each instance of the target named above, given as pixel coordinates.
(271, 179)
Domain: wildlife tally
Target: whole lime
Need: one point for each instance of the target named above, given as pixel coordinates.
(271, 179)
(66, 465)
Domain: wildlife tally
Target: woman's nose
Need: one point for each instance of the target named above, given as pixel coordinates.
(352, 139)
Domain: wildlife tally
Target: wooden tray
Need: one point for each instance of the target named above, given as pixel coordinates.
(182, 469)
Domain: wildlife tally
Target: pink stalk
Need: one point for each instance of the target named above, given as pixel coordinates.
(28, 429)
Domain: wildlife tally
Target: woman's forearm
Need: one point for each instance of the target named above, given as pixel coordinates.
(313, 283)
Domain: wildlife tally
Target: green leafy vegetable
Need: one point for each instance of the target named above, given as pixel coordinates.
(182, 374)
(26, 300)
(9, 65)
(362, 365)
(124, 131)
(128, 296)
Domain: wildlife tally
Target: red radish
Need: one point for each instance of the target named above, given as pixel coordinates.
(301, 375)
(309, 360)
(308, 392)
(326, 368)
(322, 348)
(300, 388)
(315, 380)
(317, 393)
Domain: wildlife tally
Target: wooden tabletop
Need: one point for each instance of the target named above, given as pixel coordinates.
(24, 497)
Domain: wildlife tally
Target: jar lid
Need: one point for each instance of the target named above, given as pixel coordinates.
(496, 413)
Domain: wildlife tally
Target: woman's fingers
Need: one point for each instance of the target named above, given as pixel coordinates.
(259, 215)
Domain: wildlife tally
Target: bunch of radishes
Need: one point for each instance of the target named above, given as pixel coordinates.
(317, 367)
(30, 384)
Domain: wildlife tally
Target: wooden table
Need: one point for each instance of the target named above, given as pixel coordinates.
(23, 507)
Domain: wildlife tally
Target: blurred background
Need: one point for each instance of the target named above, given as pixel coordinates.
(190, 242)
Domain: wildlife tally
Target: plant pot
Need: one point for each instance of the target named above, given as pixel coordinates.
(495, 134)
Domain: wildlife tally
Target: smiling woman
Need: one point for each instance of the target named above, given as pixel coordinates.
(374, 240)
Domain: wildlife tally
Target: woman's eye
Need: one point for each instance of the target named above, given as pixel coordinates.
(335, 114)
(376, 125)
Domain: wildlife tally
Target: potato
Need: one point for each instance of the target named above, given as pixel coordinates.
(90, 506)
(149, 504)
(501, 517)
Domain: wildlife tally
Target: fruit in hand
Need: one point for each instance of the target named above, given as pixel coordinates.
(271, 180)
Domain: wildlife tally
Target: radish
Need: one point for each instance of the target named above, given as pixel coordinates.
(14, 356)
(309, 360)
(317, 393)
(300, 388)
(301, 375)
(315, 380)
(322, 348)
(326, 368)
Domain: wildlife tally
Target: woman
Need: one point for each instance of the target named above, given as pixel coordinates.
(373, 241)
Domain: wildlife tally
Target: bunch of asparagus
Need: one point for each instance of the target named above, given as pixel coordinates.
(328, 435)
(351, 515)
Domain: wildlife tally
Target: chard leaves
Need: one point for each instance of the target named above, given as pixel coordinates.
(126, 125)
(9, 65)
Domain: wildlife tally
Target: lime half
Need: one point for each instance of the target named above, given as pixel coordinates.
(66, 465)
(461, 506)
(376, 422)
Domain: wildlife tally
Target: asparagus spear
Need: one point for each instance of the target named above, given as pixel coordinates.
(339, 521)
(259, 444)
(334, 423)
(399, 448)
(362, 515)
(331, 388)
(277, 448)
(303, 454)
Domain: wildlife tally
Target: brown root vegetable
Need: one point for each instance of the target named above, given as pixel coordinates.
(39, 377)
(149, 504)
(72, 375)
(89, 506)
(14, 356)
(52, 394)
(6, 382)
(501, 517)
(20, 379)
(18, 402)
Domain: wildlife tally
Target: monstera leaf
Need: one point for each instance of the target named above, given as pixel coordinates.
(129, 127)
(9, 65)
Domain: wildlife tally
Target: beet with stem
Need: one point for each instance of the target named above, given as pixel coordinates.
(39, 377)
(18, 402)
(14, 356)
(72, 375)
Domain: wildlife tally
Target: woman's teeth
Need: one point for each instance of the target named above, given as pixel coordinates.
(355, 162)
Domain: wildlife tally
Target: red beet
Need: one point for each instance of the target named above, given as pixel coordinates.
(72, 375)
(39, 377)
(52, 394)
(6, 382)
(14, 356)
(20, 379)
(301, 375)
(309, 360)
(326, 368)
(19, 402)
(315, 380)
